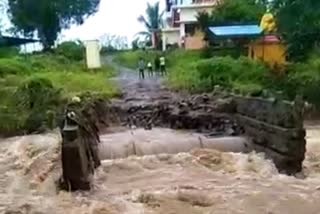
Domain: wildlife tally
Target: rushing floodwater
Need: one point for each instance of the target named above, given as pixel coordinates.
(202, 181)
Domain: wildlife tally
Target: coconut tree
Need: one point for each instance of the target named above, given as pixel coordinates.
(152, 21)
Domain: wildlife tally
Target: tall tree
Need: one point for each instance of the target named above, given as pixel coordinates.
(229, 12)
(298, 22)
(152, 22)
(46, 18)
(237, 12)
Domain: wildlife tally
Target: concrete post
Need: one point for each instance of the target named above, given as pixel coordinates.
(164, 42)
(77, 165)
(93, 54)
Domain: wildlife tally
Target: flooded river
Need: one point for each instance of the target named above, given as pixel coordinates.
(202, 181)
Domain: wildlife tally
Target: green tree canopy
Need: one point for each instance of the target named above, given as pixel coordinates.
(46, 18)
(233, 12)
(298, 21)
(229, 12)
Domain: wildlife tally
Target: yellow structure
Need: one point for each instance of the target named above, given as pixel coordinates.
(268, 23)
(269, 47)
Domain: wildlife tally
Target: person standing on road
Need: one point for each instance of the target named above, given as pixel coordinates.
(163, 65)
(141, 66)
(150, 69)
(157, 64)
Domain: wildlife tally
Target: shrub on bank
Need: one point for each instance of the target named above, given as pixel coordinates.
(38, 98)
(6, 52)
(241, 74)
(209, 52)
(303, 79)
(71, 50)
(15, 65)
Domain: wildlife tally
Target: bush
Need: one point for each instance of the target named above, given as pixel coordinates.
(16, 65)
(182, 70)
(303, 79)
(33, 89)
(209, 52)
(71, 50)
(56, 63)
(9, 52)
(228, 72)
(39, 98)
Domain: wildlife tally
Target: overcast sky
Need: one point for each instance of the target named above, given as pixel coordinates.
(117, 17)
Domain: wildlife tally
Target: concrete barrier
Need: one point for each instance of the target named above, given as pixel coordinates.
(276, 128)
(127, 145)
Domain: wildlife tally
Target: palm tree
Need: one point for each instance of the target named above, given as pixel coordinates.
(152, 22)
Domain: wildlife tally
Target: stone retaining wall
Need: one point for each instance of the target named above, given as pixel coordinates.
(275, 128)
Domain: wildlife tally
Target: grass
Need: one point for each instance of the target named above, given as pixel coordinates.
(71, 76)
(74, 83)
(66, 75)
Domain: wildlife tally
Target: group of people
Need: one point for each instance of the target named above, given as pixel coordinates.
(159, 67)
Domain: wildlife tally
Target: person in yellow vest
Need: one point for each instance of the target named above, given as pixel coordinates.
(163, 65)
(150, 69)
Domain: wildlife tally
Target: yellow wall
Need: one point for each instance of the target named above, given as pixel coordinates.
(271, 53)
(196, 41)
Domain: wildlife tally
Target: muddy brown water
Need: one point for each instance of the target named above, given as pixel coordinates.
(201, 181)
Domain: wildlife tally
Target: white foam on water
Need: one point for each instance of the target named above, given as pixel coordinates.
(200, 181)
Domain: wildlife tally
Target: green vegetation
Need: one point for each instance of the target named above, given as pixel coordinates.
(233, 12)
(47, 19)
(34, 88)
(297, 21)
(71, 50)
(191, 71)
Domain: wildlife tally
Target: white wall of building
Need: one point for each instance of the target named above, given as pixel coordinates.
(189, 14)
(170, 38)
(93, 54)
